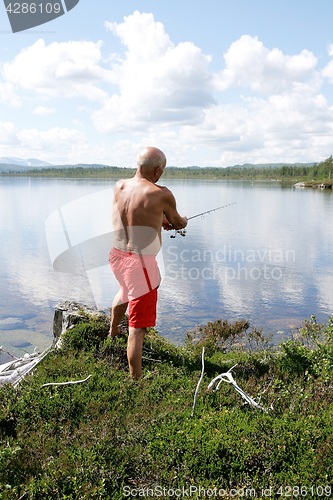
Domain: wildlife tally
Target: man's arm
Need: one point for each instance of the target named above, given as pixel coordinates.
(172, 217)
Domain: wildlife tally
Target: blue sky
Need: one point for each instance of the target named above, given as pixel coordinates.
(210, 82)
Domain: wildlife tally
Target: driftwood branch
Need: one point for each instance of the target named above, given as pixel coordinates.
(200, 380)
(67, 383)
(227, 377)
(15, 371)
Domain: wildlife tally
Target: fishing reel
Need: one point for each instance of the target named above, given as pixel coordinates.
(182, 232)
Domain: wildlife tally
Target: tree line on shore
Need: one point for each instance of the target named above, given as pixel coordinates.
(318, 172)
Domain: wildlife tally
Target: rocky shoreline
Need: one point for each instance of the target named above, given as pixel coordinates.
(312, 184)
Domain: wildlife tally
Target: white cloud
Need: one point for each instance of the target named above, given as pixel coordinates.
(53, 138)
(328, 70)
(251, 65)
(157, 80)
(144, 38)
(67, 69)
(53, 143)
(8, 94)
(281, 128)
(43, 110)
(8, 135)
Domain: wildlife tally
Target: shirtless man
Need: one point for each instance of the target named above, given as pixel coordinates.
(140, 209)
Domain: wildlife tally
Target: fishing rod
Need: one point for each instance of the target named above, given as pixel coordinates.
(182, 232)
(212, 210)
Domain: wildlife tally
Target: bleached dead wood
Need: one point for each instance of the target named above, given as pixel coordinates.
(227, 377)
(14, 371)
(200, 380)
(66, 383)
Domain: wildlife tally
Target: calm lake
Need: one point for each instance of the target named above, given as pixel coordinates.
(268, 258)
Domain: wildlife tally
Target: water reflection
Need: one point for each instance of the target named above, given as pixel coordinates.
(268, 258)
(271, 261)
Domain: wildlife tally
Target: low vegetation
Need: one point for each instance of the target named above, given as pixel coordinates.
(314, 174)
(113, 438)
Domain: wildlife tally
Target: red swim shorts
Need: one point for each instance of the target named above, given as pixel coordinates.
(139, 278)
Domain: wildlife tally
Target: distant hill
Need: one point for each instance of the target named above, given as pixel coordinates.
(9, 164)
(20, 165)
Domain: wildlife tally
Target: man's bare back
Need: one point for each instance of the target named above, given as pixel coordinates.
(141, 208)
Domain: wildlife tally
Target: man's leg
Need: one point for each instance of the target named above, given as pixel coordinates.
(134, 351)
(142, 311)
(117, 312)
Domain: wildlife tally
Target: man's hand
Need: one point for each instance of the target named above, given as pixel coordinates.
(167, 226)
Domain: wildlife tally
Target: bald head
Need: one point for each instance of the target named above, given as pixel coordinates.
(151, 158)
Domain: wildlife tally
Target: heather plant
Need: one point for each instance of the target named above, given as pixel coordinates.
(310, 353)
(221, 335)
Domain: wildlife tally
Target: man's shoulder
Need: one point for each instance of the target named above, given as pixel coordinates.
(121, 183)
(164, 190)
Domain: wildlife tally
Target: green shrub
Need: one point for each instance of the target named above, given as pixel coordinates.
(87, 334)
(312, 353)
(225, 336)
